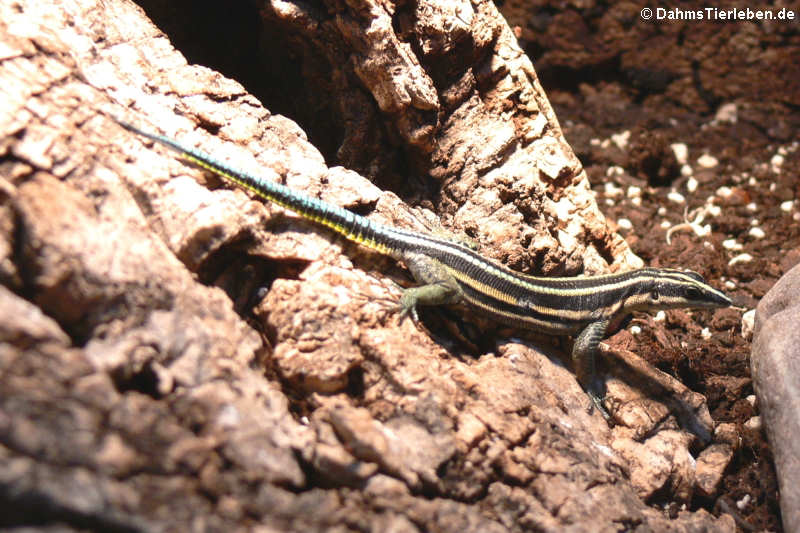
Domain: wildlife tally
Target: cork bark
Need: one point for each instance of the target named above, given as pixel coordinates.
(175, 354)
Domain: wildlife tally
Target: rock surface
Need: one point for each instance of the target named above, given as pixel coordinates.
(775, 365)
(174, 354)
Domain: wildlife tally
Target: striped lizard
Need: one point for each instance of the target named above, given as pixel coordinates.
(453, 273)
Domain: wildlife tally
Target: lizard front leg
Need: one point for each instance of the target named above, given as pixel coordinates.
(584, 352)
(438, 287)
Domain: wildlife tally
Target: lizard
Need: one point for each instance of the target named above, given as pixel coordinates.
(449, 272)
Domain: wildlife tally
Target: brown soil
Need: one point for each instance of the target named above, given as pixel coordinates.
(607, 72)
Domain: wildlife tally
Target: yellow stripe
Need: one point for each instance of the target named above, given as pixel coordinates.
(556, 313)
(494, 292)
(540, 325)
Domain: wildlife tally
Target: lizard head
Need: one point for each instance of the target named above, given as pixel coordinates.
(672, 289)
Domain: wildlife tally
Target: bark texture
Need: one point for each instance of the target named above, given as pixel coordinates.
(175, 355)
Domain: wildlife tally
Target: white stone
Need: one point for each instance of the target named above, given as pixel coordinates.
(676, 197)
(741, 258)
(681, 152)
(731, 244)
(748, 322)
(707, 161)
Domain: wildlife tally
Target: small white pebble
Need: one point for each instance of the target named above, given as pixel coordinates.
(636, 201)
(744, 502)
(753, 423)
(681, 152)
(615, 170)
(666, 224)
(748, 321)
(751, 399)
(730, 285)
(610, 202)
(621, 139)
(686, 171)
(634, 192)
(691, 184)
(796, 217)
(594, 142)
(724, 192)
(611, 190)
(741, 258)
(625, 224)
(705, 333)
(731, 244)
(636, 330)
(676, 197)
(713, 210)
(662, 211)
(756, 232)
(752, 182)
(787, 206)
(660, 316)
(727, 113)
(752, 207)
(707, 161)
(754, 222)
(776, 161)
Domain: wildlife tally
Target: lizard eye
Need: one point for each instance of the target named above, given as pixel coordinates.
(693, 293)
(654, 296)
